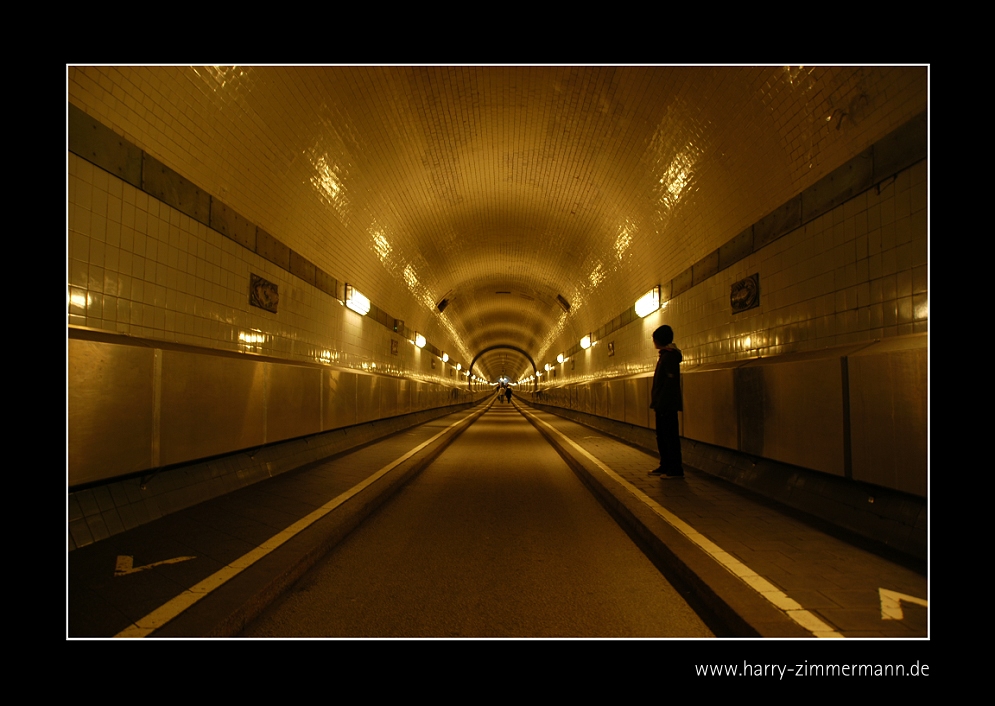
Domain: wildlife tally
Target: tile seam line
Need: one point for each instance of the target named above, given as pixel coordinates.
(773, 595)
(175, 606)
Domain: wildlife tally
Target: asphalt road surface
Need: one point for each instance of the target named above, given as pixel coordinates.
(497, 538)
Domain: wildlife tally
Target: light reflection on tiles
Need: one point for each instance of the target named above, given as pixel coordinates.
(590, 182)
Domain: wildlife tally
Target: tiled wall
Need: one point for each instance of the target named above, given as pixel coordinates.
(856, 273)
(141, 268)
(585, 182)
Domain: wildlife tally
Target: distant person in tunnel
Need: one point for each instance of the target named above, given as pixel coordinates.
(666, 401)
(507, 394)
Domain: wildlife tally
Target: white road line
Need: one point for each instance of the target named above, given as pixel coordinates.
(126, 564)
(758, 583)
(891, 603)
(163, 614)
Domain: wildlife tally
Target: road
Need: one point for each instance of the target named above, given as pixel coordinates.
(497, 538)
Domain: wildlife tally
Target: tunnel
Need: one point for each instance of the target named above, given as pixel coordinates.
(271, 265)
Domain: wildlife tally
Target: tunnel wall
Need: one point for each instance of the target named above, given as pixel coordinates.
(142, 269)
(857, 412)
(136, 404)
(155, 427)
(828, 371)
(172, 359)
(182, 268)
(856, 273)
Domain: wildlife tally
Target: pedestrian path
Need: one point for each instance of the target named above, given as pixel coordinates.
(844, 591)
(207, 570)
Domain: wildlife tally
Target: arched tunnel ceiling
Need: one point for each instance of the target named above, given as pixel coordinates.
(505, 362)
(503, 187)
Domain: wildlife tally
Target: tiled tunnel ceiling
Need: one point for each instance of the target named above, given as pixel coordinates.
(501, 188)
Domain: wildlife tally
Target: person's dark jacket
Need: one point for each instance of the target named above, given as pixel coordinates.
(666, 395)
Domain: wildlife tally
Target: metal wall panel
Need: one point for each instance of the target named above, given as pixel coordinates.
(579, 397)
(367, 398)
(901, 148)
(138, 406)
(637, 401)
(339, 407)
(210, 405)
(780, 221)
(404, 389)
(293, 406)
(615, 399)
(710, 407)
(705, 267)
(585, 399)
(888, 414)
(213, 404)
(418, 394)
(232, 225)
(104, 147)
(803, 413)
(169, 186)
(388, 397)
(301, 267)
(749, 390)
(839, 186)
(792, 409)
(111, 422)
(599, 399)
(736, 249)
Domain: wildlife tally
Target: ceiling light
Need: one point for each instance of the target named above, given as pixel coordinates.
(585, 342)
(419, 340)
(356, 301)
(649, 302)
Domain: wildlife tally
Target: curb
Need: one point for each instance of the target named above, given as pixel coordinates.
(729, 608)
(228, 610)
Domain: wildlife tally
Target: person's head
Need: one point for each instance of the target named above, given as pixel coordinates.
(663, 336)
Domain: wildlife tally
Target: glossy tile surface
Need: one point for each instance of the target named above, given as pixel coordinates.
(499, 188)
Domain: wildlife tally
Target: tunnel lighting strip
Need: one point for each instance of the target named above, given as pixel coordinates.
(171, 609)
(356, 301)
(648, 303)
(778, 598)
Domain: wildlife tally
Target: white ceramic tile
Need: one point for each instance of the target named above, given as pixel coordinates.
(453, 187)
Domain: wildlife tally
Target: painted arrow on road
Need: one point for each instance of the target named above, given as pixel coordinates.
(126, 564)
(891, 603)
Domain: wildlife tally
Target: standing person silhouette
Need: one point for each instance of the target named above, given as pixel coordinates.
(507, 394)
(667, 401)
